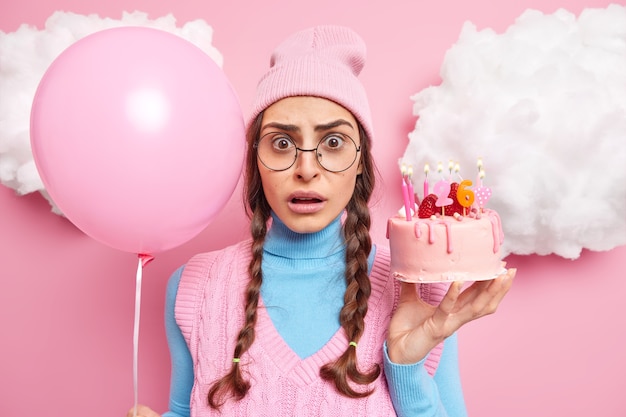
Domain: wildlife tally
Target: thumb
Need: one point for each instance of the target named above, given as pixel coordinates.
(142, 411)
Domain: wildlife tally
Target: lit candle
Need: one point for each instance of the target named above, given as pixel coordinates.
(479, 164)
(440, 168)
(457, 169)
(450, 168)
(482, 193)
(426, 170)
(409, 180)
(405, 194)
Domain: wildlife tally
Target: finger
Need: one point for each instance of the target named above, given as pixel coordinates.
(484, 297)
(505, 285)
(498, 289)
(492, 286)
(470, 293)
(448, 304)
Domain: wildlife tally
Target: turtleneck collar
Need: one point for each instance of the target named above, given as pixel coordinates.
(283, 242)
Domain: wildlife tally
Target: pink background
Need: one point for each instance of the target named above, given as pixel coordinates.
(555, 347)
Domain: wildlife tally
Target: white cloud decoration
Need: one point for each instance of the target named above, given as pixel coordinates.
(24, 57)
(544, 105)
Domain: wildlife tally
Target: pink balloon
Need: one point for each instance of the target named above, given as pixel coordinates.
(138, 137)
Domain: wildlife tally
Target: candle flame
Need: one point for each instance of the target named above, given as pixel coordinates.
(410, 171)
(426, 169)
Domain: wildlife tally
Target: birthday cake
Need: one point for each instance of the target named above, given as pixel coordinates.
(449, 236)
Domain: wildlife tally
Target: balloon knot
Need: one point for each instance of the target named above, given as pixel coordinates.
(145, 259)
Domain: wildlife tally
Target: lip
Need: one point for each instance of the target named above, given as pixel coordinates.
(305, 202)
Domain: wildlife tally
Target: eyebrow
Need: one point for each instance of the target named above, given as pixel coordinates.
(318, 128)
(332, 125)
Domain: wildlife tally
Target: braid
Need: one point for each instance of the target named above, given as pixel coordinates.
(352, 315)
(233, 383)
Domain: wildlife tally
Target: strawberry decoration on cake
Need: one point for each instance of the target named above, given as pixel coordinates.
(456, 206)
(427, 207)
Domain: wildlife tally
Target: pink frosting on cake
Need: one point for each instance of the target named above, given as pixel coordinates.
(436, 249)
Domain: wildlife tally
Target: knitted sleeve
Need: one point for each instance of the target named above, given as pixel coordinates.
(448, 379)
(181, 381)
(415, 393)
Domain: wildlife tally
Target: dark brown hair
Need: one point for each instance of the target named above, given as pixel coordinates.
(352, 316)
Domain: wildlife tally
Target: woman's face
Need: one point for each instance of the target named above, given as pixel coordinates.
(306, 197)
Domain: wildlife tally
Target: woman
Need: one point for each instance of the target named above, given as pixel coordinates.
(304, 318)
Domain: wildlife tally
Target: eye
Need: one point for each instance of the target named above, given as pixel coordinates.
(282, 143)
(333, 142)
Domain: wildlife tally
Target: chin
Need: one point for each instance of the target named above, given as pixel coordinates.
(306, 225)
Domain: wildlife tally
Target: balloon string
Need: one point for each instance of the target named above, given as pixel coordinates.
(136, 332)
(144, 259)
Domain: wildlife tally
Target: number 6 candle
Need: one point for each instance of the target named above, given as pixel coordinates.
(465, 196)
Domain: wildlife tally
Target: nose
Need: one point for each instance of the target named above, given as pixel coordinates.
(307, 167)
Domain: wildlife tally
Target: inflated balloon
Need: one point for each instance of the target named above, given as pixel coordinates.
(138, 137)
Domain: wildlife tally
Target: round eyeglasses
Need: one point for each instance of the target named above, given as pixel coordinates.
(335, 152)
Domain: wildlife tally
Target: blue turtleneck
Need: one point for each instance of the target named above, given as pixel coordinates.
(303, 277)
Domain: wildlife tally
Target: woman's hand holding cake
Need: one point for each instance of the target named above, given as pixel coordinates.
(417, 327)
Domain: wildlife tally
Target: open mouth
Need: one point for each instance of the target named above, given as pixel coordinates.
(306, 203)
(303, 200)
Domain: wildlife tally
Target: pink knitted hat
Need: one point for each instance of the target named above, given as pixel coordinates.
(323, 61)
